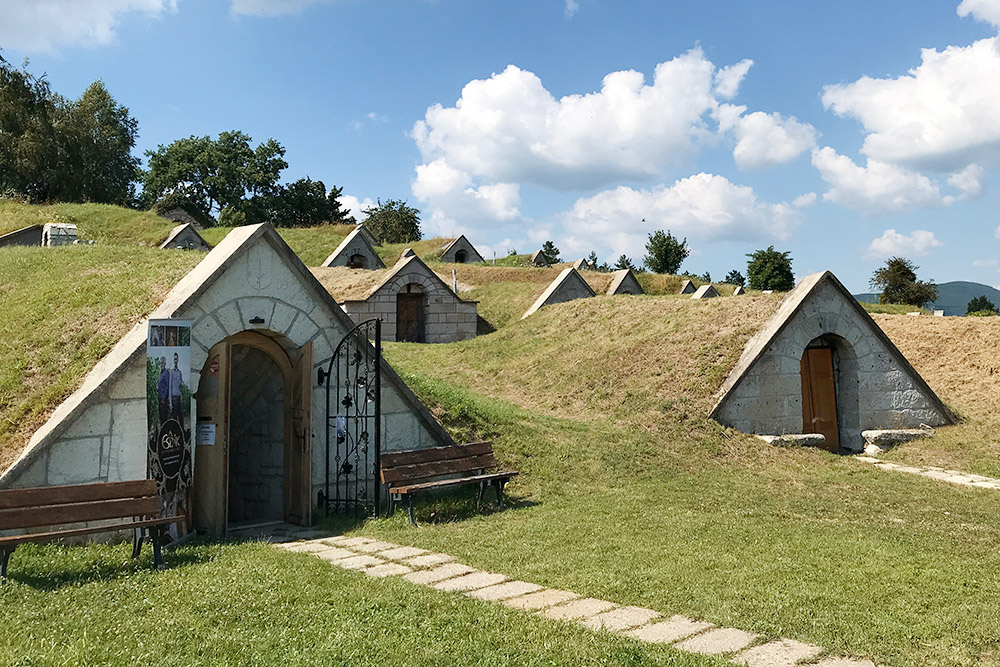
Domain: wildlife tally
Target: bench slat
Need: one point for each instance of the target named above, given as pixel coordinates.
(15, 540)
(33, 517)
(409, 488)
(79, 493)
(437, 468)
(412, 456)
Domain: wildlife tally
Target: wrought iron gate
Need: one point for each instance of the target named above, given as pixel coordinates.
(354, 421)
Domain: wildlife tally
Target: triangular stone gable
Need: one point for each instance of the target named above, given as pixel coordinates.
(569, 285)
(539, 259)
(738, 290)
(582, 265)
(367, 233)
(763, 393)
(407, 252)
(26, 236)
(185, 237)
(687, 287)
(355, 244)
(705, 292)
(450, 251)
(410, 264)
(625, 282)
(251, 281)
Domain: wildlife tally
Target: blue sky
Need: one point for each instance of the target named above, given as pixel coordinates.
(843, 132)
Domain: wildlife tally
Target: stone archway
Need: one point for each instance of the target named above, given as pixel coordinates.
(411, 314)
(357, 261)
(461, 256)
(829, 377)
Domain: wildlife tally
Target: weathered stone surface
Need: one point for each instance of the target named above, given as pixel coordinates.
(705, 292)
(356, 562)
(567, 286)
(884, 439)
(334, 553)
(440, 573)
(354, 541)
(399, 553)
(582, 608)
(504, 590)
(720, 640)
(623, 618)
(665, 632)
(309, 547)
(336, 540)
(372, 547)
(470, 581)
(795, 440)
(780, 653)
(836, 661)
(387, 570)
(540, 600)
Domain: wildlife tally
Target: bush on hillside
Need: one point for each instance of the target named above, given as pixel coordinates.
(770, 270)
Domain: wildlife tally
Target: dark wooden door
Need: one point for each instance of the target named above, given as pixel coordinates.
(410, 318)
(819, 395)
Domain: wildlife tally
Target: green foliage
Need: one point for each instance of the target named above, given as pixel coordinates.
(982, 313)
(175, 200)
(770, 270)
(55, 149)
(306, 203)
(624, 263)
(393, 221)
(551, 252)
(896, 282)
(665, 253)
(981, 306)
(734, 277)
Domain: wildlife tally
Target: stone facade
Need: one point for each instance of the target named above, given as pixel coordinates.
(185, 237)
(625, 282)
(539, 259)
(356, 251)
(876, 387)
(58, 233)
(25, 236)
(705, 292)
(461, 251)
(448, 318)
(99, 433)
(567, 286)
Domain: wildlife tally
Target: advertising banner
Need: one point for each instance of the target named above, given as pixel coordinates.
(168, 412)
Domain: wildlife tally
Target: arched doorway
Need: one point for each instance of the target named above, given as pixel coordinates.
(253, 454)
(461, 256)
(411, 314)
(357, 261)
(829, 375)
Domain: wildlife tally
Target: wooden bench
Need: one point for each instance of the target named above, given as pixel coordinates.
(406, 473)
(127, 505)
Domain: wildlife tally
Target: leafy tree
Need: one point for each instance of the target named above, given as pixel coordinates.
(665, 253)
(897, 282)
(705, 277)
(770, 270)
(592, 260)
(981, 305)
(551, 252)
(624, 263)
(393, 221)
(302, 203)
(734, 277)
(336, 214)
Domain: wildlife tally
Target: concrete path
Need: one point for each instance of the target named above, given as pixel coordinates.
(940, 474)
(442, 572)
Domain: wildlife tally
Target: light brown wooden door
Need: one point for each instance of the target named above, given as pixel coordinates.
(410, 318)
(298, 451)
(819, 395)
(211, 460)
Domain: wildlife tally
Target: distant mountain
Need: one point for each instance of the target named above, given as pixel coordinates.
(953, 298)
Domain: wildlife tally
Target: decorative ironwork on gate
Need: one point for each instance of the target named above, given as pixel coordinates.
(354, 421)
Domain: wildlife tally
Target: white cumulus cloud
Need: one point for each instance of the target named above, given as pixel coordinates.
(355, 206)
(729, 78)
(894, 244)
(702, 207)
(984, 10)
(968, 181)
(878, 187)
(271, 8)
(764, 139)
(41, 26)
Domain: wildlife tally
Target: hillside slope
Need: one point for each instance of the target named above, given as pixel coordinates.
(953, 297)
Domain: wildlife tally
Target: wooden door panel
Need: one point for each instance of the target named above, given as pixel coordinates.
(211, 466)
(298, 450)
(819, 396)
(409, 318)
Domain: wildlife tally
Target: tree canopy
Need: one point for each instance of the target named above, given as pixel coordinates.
(393, 221)
(665, 253)
(734, 277)
(770, 270)
(896, 282)
(551, 252)
(56, 149)
(981, 306)
(624, 263)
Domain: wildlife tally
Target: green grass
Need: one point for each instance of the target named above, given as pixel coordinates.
(251, 604)
(311, 244)
(95, 222)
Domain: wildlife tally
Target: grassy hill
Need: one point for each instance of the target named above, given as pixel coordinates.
(953, 297)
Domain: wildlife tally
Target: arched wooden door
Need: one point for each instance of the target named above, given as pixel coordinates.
(819, 395)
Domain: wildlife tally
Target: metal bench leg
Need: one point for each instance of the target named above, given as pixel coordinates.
(4, 559)
(479, 498)
(155, 533)
(499, 487)
(137, 536)
(408, 499)
(392, 506)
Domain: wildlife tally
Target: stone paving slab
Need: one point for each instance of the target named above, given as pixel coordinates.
(305, 547)
(780, 653)
(844, 662)
(666, 632)
(399, 553)
(505, 590)
(372, 547)
(358, 562)
(577, 609)
(334, 553)
(446, 571)
(720, 640)
(429, 560)
(540, 600)
(387, 570)
(336, 540)
(623, 618)
(354, 541)
(308, 534)
(470, 581)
